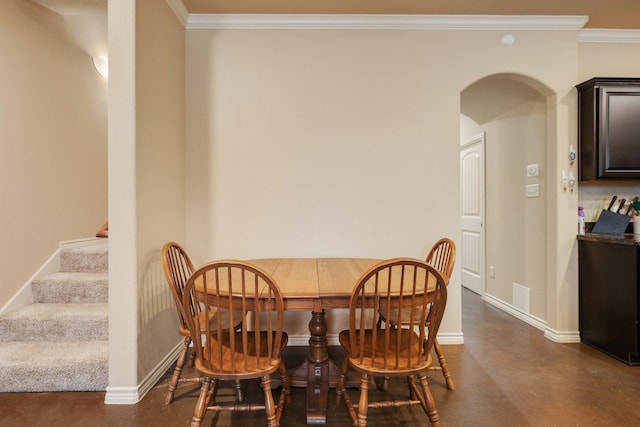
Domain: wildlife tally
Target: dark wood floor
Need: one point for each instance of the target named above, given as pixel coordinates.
(506, 374)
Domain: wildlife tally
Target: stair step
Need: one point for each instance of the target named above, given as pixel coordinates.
(56, 322)
(85, 259)
(54, 366)
(71, 288)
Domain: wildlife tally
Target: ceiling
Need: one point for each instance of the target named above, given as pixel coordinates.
(613, 14)
(619, 14)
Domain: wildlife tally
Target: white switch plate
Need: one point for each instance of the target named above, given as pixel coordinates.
(533, 170)
(533, 190)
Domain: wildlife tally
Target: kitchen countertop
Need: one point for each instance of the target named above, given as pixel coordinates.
(621, 239)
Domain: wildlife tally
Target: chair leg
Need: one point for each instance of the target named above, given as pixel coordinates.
(177, 372)
(363, 404)
(341, 392)
(211, 395)
(412, 390)
(239, 392)
(443, 365)
(201, 404)
(285, 394)
(192, 358)
(284, 377)
(269, 405)
(340, 383)
(429, 404)
(383, 384)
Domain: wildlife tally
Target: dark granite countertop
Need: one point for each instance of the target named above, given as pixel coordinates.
(621, 239)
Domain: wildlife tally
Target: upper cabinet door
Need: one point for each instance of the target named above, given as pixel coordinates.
(609, 129)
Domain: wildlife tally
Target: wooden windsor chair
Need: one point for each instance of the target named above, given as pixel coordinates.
(410, 286)
(254, 351)
(178, 268)
(442, 256)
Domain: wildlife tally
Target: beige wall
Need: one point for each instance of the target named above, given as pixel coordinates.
(53, 144)
(344, 143)
(146, 188)
(160, 172)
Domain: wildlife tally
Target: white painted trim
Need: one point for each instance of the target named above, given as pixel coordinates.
(602, 35)
(332, 339)
(450, 338)
(519, 314)
(303, 340)
(475, 139)
(24, 296)
(180, 11)
(132, 395)
(122, 396)
(562, 337)
(81, 242)
(385, 22)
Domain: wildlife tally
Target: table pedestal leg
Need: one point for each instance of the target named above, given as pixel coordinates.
(317, 370)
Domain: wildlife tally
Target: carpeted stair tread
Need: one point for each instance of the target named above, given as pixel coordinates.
(88, 258)
(53, 366)
(56, 322)
(60, 342)
(71, 287)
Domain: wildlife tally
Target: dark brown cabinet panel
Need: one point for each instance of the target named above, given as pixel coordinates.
(609, 299)
(609, 129)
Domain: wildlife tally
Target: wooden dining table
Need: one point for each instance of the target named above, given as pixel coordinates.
(315, 285)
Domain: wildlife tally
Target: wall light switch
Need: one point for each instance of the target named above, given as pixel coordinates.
(533, 190)
(533, 170)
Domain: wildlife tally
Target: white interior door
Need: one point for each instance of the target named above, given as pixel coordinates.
(472, 208)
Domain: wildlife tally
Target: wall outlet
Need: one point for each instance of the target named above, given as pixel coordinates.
(533, 170)
(492, 272)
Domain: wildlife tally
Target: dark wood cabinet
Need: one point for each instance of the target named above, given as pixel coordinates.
(609, 129)
(609, 294)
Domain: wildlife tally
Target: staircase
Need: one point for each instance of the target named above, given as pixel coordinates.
(60, 342)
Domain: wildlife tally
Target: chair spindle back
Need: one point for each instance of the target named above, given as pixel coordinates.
(235, 288)
(443, 257)
(177, 269)
(410, 287)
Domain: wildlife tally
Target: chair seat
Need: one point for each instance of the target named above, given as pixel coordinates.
(237, 315)
(410, 345)
(395, 316)
(249, 362)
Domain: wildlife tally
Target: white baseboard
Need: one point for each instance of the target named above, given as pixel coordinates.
(564, 337)
(132, 395)
(122, 396)
(446, 338)
(81, 242)
(519, 314)
(451, 338)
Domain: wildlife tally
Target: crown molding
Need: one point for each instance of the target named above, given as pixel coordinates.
(179, 10)
(601, 35)
(384, 22)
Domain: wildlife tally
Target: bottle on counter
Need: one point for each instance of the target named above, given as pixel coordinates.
(581, 220)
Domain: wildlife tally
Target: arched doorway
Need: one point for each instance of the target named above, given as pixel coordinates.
(511, 112)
